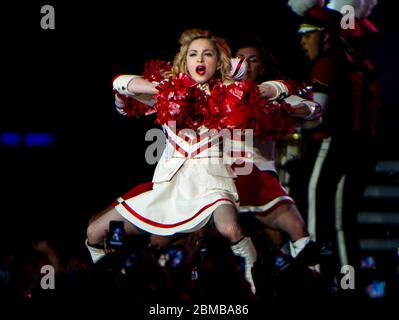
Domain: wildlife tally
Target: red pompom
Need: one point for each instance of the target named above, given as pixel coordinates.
(274, 120)
(132, 107)
(154, 69)
(180, 99)
(232, 106)
(220, 106)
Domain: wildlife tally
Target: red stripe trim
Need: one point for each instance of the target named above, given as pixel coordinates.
(238, 66)
(187, 138)
(204, 135)
(204, 147)
(166, 226)
(196, 139)
(240, 154)
(177, 147)
(238, 136)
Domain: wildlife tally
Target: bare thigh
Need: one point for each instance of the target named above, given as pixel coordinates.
(281, 212)
(101, 213)
(98, 227)
(287, 219)
(226, 221)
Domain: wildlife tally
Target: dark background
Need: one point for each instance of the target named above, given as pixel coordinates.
(60, 81)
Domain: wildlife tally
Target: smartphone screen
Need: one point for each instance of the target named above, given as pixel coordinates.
(115, 234)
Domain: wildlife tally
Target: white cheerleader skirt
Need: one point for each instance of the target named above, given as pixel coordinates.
(183, 203)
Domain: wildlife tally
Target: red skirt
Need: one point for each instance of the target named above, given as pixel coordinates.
(261, 192)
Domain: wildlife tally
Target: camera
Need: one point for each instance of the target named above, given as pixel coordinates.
(115, 235)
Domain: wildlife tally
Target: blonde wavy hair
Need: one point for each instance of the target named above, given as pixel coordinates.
(222, 49)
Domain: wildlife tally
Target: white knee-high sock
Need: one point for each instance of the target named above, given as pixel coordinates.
(246, 249)
(297, 246)
(95, 253)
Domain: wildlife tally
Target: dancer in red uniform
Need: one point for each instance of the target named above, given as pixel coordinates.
(336, 156)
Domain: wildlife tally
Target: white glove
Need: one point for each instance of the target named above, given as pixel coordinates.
(239, 67)
(121, 82)
(274, 90)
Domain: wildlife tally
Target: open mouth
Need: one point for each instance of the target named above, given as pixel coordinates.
(200, 70)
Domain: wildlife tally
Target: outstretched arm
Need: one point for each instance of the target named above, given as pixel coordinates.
(307, 112)
(137, 87)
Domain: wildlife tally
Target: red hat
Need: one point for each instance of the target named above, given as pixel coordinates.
(319, 19)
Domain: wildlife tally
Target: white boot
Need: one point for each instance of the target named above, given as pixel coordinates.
(95, 253)
(297, 246)
(246, 249)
